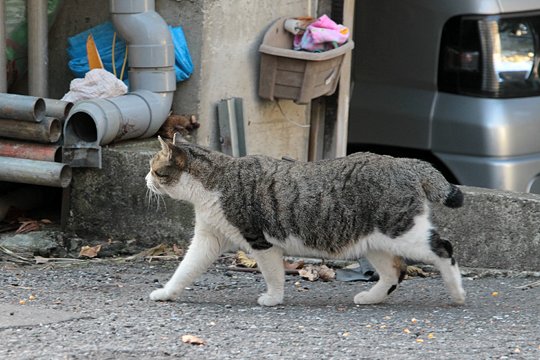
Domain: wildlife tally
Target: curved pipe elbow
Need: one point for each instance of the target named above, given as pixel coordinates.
(147, 34)
(101, 121)
(140, 113)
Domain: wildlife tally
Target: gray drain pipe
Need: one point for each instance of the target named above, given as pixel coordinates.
(152, 80)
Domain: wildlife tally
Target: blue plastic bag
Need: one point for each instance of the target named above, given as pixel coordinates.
(183, 65)
(103, 36)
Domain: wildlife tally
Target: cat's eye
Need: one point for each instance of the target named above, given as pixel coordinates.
(160, 173)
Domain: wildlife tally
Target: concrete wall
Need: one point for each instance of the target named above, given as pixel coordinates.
(494, 229)
(233, 31)
(223, 37)
(113, 202)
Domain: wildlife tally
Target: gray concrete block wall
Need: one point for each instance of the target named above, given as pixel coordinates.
(494, 229)
(113, 202)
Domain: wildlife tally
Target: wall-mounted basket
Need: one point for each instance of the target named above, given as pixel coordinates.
(297, 75)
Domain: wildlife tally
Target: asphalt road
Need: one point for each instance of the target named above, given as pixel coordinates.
(101, 310)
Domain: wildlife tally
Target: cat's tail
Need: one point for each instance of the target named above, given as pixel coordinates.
(437, 188)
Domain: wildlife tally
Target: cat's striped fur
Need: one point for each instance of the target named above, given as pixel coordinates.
(361, 205)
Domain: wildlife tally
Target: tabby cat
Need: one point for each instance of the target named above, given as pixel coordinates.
(360, 205)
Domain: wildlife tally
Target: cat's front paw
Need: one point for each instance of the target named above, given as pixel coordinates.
(270, 300)
(367, 298)
(459, 296)
(161, 295)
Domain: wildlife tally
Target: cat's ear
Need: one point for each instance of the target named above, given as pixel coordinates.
(167, 147)
(164, 145)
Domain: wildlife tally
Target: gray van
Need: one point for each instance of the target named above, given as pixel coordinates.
(455, 82)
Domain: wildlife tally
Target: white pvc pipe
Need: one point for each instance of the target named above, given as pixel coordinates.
(152, 79)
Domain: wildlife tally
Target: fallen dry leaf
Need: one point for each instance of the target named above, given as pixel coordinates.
(309, 273)
(158, 250)
(177, 250)
(315, 272)
(193, 340)
(90, 251)
(242, 259)
(28, 226)
(294, 265)
(416, 271)
(161, 251)
(326, 274)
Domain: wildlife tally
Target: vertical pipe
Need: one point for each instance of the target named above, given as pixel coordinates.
(3, 60)
(38, 57)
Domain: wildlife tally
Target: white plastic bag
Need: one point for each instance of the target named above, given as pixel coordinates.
(97, 83)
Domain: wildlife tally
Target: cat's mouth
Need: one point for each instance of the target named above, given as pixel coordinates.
(150, 184)
(153, 194)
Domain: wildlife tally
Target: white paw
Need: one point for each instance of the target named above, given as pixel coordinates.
(459, 297)
(269, 300)
(366, 298)
(161, 295)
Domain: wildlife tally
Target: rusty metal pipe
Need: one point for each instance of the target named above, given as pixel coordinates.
(22, 107)
(34, 172)
(57, 108)
(46, 131)
(31, 151)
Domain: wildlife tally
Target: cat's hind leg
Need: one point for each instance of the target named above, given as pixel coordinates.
(443, 259)
(205, 248)
(390, 273)
(270, 262)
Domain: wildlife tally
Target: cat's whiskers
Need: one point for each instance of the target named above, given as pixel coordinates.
(153, 196)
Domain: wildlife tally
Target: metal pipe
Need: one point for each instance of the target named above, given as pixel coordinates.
(34, 172)
(46, 131)
(22, 107)
(57, 108)
(32, 151)
(3, 59)
(152, 81)
(38, 57)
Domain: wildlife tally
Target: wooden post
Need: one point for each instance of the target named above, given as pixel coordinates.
(342, 122)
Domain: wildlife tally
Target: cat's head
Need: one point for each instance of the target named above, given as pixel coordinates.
(167, 167)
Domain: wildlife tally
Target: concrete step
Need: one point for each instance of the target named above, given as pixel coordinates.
(494, 229)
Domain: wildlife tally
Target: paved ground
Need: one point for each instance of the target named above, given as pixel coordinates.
(101, 310)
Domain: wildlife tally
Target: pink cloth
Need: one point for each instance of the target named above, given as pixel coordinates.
(321, 35)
